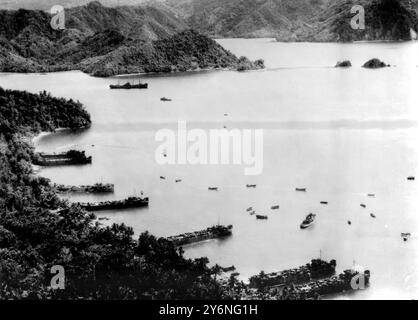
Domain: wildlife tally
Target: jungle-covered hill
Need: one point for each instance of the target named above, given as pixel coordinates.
(298, 20)
(38, 230)
(106, 41)
(286, 20)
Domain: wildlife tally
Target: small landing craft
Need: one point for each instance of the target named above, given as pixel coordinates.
(309, 221)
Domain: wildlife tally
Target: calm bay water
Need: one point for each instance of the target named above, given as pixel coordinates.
(340, 133)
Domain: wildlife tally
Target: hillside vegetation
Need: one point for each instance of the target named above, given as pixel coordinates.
(106, 41)
(39, 231)
(298, 20)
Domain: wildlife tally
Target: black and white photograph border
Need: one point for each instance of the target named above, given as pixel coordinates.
(210, 150)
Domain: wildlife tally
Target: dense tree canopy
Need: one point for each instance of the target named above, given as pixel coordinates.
(38, 230)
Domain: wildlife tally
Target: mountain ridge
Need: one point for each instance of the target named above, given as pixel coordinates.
(105, 41)
(298, 20)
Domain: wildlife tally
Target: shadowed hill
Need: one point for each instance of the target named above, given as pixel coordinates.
(107, 41)
(298, 20)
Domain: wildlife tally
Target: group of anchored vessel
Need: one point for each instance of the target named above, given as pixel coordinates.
(128, 86)
(308, 282)
(310, 219)
(76, 157)
(308, 222)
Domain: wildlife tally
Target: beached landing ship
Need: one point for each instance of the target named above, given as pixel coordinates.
(317, 269)
(132, 202)
(96, 188)
(71, 157)
(215, 232)
(331, 285)
(128, 85)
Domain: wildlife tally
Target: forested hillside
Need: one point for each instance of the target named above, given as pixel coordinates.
(298, 20)
(106, 41)
(38, 230)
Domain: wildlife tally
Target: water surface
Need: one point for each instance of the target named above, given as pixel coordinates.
(341, 133)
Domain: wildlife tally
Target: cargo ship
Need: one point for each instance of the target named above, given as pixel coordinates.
(132, 202)
(215, 232)
(128, 85)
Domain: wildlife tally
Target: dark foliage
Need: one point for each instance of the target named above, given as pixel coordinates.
(106, 41)
(38, 230)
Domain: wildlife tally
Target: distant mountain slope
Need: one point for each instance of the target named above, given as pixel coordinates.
(298, 20)
(47, 4)
(384, 20)
(287, 20)
(139, 22)
(107, 41)
(185, 51)
(247, 18)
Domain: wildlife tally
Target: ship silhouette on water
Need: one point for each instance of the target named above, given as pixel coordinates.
(309, 221)
(129, 85)
(71, 157)
(131, 202)
(317, 269)
(215, 232)
(96, 188)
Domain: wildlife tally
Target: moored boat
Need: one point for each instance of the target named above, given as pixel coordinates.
(405, 236)
(317, 269)
(215, 232)
(71, 157)
(261, 217)
(128, 85)
(131, 202)
(96, 188)
(309, 221)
